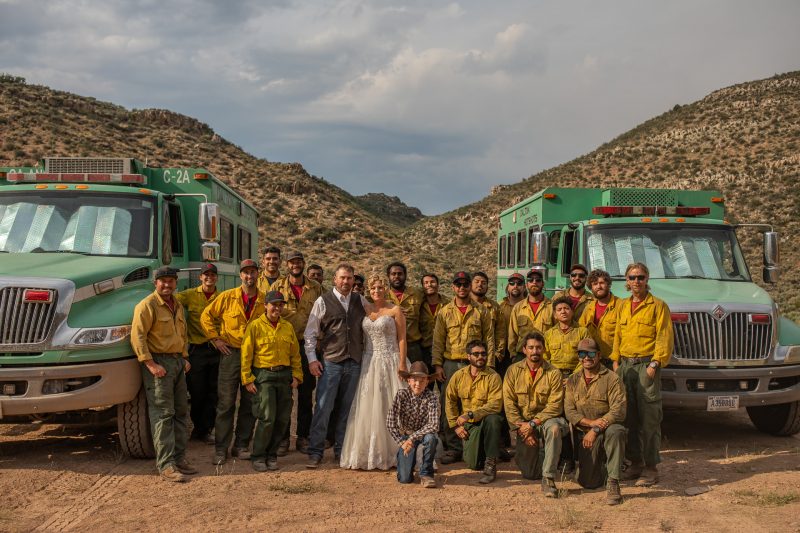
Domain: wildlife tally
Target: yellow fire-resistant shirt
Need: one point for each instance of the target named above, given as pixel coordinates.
(602, 333)
(644, 332)
(561, 349)
(526, 399)
(482, 395)
(297, 311)
(501, 329)
(586, 297)
(263, 282)
(409, 303)
(195, 301)
(156, 329)
(523, 321)
(454, 330)
(265, 346)
(224, 318)
(493, 308)
(603, 397)
(427, 320)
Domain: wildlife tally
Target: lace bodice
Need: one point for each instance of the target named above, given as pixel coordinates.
(381, 337)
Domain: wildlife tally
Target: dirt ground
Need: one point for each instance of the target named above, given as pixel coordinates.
(60, 478)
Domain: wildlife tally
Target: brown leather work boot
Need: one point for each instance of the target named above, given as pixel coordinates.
(171, 473)
(549, 487)
(613, 496)
(489, 471)
(648, 477)
(185, 468)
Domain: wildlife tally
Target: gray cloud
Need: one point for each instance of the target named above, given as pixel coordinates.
(433, 102)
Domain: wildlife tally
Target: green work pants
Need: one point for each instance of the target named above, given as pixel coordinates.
(450, 440)
(644, 414)
(604, 459)
(229, 386)
(272, 409)
(168, 408)
(537, 461)
(483, 440)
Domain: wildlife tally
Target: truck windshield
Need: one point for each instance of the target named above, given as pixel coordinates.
(670, 251)
(86, 223)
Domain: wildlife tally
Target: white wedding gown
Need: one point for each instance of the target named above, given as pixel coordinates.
(367, 443)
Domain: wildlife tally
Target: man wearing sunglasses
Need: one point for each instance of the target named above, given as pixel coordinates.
(532, 314)
(532, 396)
(478, 290)
(459, 322)
(643, 344)
(473, 399)
(594, 403)
(600, 315)
(577, 293)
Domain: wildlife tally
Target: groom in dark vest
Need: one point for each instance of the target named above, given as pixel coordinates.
(335, 321)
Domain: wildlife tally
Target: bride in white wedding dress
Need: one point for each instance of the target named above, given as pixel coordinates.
(367, 443)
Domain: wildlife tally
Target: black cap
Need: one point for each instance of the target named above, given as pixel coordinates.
(166, 272)
(294, 254)
(274, 297)
(578, 266)
(209, 267)
(248, 263)
(359, 277)
(462, 276)
(534, 273)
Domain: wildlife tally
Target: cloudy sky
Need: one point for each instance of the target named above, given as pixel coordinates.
(434, 102)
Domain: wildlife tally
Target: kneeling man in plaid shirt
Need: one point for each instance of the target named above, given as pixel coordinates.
(413, 420)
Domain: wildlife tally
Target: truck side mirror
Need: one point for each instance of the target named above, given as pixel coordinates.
(771, 271)
(208, 222)
(540, 246)
(210, 252)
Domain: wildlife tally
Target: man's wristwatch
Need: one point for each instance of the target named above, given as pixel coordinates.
(654, 364)
(596, 429)
(532, 424)
(470, 415)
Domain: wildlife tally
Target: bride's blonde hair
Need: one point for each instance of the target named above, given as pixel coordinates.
(375, 278)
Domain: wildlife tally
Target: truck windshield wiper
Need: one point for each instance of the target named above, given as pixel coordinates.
(42, 251)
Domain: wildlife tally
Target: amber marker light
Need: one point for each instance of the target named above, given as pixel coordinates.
(41, 186)
(61, 187)
(548, 196)
(81, 187)
(718, 199)
(663, 220)
(144, 191)
(680, 220)
(594, 222)
(647, 219)
(200, 176)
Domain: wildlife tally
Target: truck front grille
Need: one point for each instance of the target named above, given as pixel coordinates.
(733, 338)
(24, 322)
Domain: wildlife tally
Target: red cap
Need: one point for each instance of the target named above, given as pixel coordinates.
(248, 263)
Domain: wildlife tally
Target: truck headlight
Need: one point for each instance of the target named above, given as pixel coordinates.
(93, 336)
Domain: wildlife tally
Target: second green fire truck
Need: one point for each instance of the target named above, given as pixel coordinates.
(732, 346)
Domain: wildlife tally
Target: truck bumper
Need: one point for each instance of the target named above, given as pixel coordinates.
(691, 387)
(24, 391)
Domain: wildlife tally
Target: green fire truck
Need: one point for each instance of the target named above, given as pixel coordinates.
(732, 347)
(80, 239)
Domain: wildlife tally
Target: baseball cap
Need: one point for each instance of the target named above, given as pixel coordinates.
(534, 274)
(516, 275)
(462, 276)
(588, 344)
(209, 267)
(248, 263)
(274, 297)
(578, 266)
(295, 254)
(166, 272)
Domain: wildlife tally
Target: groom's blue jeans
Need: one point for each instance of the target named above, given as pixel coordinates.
(338, 380)
(405, 463)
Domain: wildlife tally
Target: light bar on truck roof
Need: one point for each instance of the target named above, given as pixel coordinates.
(32, 177)
(633, 210)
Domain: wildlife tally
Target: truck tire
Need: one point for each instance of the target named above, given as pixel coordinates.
(133, 425)
(781, 420)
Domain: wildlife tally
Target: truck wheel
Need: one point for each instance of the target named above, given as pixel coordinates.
(781, 420)
(133, 425)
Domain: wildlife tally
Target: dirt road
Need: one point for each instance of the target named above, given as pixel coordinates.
(57, 478)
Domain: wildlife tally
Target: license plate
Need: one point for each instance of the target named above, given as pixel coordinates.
(723, 403)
